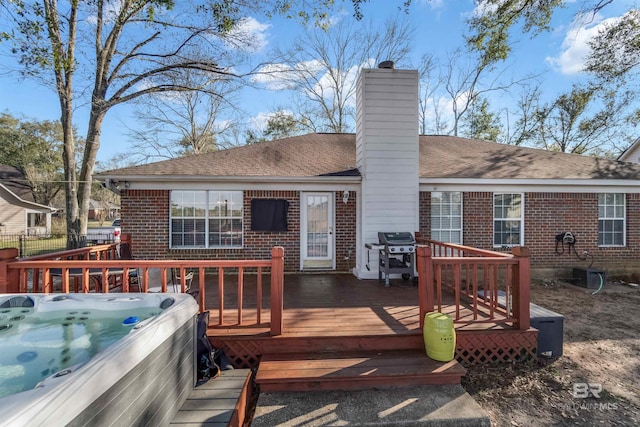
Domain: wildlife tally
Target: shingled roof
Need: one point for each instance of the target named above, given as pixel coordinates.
(15, 181)
(301, 156)
(315, 155)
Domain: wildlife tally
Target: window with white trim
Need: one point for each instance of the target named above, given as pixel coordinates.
(611, 219)
(446, 216)
(508, 219)
(206, 219)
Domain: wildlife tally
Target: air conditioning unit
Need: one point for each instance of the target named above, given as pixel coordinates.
(590, 278)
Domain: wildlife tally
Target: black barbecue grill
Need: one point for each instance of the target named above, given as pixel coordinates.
(396, 255)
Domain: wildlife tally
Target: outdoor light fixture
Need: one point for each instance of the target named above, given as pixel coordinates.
(345, 196)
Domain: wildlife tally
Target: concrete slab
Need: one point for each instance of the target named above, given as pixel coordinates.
(442, 406)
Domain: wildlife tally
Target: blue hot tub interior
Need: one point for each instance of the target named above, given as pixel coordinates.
(53, 335)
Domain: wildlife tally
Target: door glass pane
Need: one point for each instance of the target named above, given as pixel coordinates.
(317, 226)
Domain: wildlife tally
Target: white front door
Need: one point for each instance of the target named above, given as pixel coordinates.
(317, 240)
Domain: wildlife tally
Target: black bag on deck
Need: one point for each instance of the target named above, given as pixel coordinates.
(207, 367)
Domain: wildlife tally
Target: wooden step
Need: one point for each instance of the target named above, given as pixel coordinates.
(222, 401)
(353, 371)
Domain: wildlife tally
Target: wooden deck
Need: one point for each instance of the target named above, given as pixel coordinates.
(325, 312)
(330, 313)
(332, 305)
(321, 305)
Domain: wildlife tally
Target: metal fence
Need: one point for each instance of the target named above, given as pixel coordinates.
(42, 244)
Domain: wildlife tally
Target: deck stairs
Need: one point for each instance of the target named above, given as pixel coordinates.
(359, 370)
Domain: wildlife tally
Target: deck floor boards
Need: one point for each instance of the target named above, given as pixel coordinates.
(325, 305)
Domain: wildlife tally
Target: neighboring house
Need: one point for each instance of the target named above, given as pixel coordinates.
(107, 210)
(632, 153)
(323, 197)
(19, 214)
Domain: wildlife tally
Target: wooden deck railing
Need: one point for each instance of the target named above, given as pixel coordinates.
(494, 286)
(77, 269)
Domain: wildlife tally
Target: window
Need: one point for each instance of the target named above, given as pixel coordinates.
(508, 219)
(611, 219)
(446, 216)
(206, 219)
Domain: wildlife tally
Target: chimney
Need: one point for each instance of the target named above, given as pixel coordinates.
(387, 155)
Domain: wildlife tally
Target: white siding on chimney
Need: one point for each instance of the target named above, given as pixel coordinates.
(387, 155)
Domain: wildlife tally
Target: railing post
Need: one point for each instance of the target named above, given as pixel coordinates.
(425, 281)
(277, 291)
(521, 287)
(9, 279)
(125, 239)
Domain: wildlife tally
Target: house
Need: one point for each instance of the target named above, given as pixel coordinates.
(324, 197)
(102, 209)
(19, 214)
(632, 153)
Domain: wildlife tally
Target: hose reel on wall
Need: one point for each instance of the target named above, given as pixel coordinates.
(569, 239)
(581, 274)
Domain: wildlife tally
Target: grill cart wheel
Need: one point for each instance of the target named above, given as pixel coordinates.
(406, 276)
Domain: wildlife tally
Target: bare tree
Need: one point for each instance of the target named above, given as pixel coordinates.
(581, 121)
(182, 123)
(527, 103)
(119, 52)
(466, 82)
(322, 68)
(430, 110)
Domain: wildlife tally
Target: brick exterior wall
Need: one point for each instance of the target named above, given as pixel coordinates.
(545, 216)
(145, 216)
(345, 232)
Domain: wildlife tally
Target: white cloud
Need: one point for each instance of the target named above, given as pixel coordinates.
(250, 34)
(575, 47)
(326, 85)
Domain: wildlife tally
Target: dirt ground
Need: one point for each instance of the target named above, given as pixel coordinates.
(601, 348)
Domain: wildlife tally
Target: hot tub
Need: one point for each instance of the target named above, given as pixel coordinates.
(140, 379)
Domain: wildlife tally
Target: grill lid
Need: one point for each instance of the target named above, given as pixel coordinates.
(396, 238)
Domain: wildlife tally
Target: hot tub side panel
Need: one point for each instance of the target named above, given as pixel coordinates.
(154, 390)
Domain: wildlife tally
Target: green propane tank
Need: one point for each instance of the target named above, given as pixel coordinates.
(439, 336)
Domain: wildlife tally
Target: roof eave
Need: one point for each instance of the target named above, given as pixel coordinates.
(531, 185)
(25, 203)
(231, 178)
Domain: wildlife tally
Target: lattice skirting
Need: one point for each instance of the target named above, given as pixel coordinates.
(472, 347)
(241, 353)
(477, 347)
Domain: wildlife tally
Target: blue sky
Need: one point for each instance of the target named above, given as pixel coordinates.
(438, 26)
